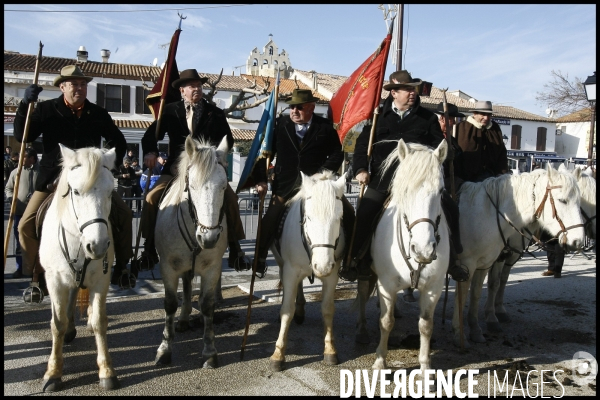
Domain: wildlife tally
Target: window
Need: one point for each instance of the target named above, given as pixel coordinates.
(237, 113)
(265, 61)
(541, 139)
(140, 100)
(515, 141)
(254, 62)
(114, 98)
(270, 50)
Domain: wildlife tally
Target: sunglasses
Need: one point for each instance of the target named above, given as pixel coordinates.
(299, 107)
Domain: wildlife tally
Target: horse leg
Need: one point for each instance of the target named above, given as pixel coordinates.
(476, 334)
(288, 307)
(183, 323)
(170, 280)
(300, 303)
(218, 292)
(459, 302)
(386, 324)
(327, 309)
(99, 319)
(58, 325)
(209, 282)
(427, 303)
(362, 296)
(501, 313)
(493, 285)
(71, 331)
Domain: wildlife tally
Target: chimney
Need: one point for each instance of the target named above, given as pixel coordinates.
(105, 54)
(315, 81)
(82, 54)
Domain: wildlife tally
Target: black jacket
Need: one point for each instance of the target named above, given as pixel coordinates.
(320, 149)
(419, 126)
(122, 170)
(212, 126)
(57, 124)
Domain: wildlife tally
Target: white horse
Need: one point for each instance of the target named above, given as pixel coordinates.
(76, 251)
(547, 198)
(499, 273)
(410, 246)
(191, 238)
(312, 244)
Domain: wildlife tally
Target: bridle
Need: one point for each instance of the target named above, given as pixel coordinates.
(308, 245)
(188, 238)
(415, 273)
(588, 222)
(79, 271)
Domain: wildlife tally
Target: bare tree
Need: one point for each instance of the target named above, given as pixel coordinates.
(563, 95)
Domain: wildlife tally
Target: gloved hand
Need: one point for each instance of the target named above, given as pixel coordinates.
(31, 93)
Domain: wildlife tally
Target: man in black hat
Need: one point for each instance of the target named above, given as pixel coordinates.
(401, 117)
(194, 116)
(303, 142)
(75, 122)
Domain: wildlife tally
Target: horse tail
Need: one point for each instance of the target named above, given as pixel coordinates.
(83, 300)
(371, 291)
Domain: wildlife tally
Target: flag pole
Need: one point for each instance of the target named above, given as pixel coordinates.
(13, 205)
(258, 229)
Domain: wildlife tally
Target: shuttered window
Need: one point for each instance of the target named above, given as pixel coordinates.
(140, 100)
(541, 139)
(515, 141)
(114, 98)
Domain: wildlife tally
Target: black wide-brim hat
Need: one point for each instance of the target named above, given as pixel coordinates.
(187, 76)
(401, 78)
(452, 110)
(301, 96)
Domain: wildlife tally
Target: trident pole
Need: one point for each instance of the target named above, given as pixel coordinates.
(13, 204)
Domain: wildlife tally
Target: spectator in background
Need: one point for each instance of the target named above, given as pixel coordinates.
(26, 188)
(556, 256)
(130, 154)
(125, 175)
(10, 165)
(349, 176)
(7, 151)
(136, 188)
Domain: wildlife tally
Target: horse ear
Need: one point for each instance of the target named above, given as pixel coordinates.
(67, 153)
(442, 151)
(190, 146)
(577, 173)
(307, 182)
(222, 150)
(403, 150)
(340, 183)
(110, 157)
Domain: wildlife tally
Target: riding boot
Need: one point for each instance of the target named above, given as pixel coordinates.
(121, 275)
(268, 230)
(456, 270)
(237, 258)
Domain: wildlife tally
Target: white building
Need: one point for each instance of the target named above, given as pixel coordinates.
(573, 136)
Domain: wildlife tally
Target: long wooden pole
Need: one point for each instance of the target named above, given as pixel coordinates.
(13, 205)
(256, 247)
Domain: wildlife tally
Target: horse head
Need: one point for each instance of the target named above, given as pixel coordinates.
(322, 220)
(587, 187)
(557, 207)
(85, 188)
(206, 181)
(417, 191)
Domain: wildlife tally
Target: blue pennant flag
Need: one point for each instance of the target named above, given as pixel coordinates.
(263, 140)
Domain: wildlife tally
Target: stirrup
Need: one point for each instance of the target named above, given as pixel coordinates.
(459, 272)
(348, 273)
(147, 261)
(260, 273)
(127, 280)
(33, 294)
(240, 262)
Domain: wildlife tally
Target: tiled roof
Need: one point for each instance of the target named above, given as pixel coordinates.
(243, 134)
(286, 86)
(583, 115)
(330, 82)
(130, 123)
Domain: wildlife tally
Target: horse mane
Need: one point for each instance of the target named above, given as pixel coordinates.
(587, 186)
(419, 169)
(204, 159)
(88, 158)
(325, 208)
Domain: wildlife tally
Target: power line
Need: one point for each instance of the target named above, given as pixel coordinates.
(124, 11)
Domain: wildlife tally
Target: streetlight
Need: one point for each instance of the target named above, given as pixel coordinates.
(590, 92)
(505, 139)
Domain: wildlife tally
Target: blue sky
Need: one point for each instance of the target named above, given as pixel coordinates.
(502, 53)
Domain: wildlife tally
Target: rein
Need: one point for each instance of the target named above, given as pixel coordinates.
(307, 243)
(79, 272)
(588, 222)
(189, 240)
(415, 273)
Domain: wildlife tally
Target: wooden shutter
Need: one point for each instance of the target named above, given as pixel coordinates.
(125, 99)
(139, 100)
(541, 139)
(101, 94)
(515, 139)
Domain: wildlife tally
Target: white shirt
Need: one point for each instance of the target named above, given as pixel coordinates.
(300, 126)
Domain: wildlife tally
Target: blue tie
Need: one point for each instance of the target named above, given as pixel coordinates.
(302, 132)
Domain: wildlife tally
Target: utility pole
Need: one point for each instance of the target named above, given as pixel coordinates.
(399, 31)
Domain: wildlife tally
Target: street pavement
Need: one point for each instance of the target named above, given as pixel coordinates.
(551, 320)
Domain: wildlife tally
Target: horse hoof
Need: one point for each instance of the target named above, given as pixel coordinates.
(211, 362)
(69, 336)
(52, 385)
(503, 317)
(163, 358)
(330, 359)
(299, 319)
(362, 338)
(494, 327)
(109, 383)
(477, 338)
(182, 326)
(277, 365)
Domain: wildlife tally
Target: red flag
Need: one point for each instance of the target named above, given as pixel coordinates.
(163, 89)
(357, 98)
